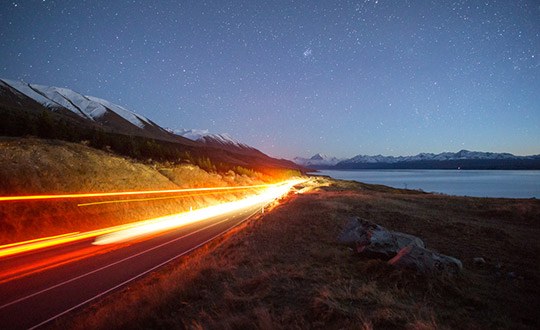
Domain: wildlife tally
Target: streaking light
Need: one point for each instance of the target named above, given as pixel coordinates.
(40, 243)
(35, 240)
(169, 222)
(153, 198)
(152, 225)
(127, 193)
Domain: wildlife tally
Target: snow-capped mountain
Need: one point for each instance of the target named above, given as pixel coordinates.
(317, 161)
(93, 110)
(208, 138)
(88, 107)
(100, 112)
(460, 155)
(461, 159)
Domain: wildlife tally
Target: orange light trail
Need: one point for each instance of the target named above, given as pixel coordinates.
(161, 224)
(40, 243)
(36, 240)
(151, 226)
(151, 199)
(127, 193)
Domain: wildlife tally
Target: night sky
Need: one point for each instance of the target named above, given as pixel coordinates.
(294, 78)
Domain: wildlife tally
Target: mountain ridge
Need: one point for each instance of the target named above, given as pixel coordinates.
(223, 140)
(463, 159)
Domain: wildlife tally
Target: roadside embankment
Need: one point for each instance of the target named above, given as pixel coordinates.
(30, 166)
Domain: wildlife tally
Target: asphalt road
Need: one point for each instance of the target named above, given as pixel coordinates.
(40, 286)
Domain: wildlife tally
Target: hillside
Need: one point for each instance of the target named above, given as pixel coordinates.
(36, 166)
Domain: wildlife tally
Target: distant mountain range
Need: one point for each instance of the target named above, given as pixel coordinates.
(24, 106)
(463, 159)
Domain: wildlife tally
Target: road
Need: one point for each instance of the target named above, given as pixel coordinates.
(40, 286)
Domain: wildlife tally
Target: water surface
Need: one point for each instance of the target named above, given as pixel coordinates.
(477, 183)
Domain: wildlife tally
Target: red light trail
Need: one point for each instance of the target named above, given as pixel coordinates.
(127, 193)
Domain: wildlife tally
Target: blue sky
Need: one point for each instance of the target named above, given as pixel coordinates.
(294, 78)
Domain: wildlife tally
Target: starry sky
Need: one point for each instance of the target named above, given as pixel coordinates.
(294, 78)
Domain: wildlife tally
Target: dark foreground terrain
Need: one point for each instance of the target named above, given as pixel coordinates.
(285, 269)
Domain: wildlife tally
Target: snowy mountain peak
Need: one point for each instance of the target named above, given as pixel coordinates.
(205, 136)
(88, 107)
(318, 157)
(318, 160)
(192, 134)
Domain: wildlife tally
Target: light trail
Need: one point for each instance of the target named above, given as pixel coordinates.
(40, 243)
(151, 199)
(169, 222)
(128, 193)
(36, 240)
(146, 227)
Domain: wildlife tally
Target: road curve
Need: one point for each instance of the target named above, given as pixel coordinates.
(40, 286)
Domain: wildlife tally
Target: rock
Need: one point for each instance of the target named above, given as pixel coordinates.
(374, 241)
(425, 261)
(356, 231)
(479, 261)
(400, 249)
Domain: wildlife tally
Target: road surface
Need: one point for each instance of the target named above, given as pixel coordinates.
(38, 287)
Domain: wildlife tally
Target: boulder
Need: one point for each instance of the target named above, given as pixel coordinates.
(425, 261)
(374, 241)
(400, 249)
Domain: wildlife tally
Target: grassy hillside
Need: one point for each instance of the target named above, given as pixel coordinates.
(35, 166)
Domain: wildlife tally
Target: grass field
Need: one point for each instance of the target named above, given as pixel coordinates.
(285, 269)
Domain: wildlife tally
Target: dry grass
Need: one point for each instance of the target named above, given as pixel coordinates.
(285, 270)
(34, 166)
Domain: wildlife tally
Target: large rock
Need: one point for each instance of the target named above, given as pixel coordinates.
(425, 261)
(375, 241)
(400, 249)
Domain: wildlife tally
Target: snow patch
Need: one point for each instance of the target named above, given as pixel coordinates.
(133, 118)
(203, 135)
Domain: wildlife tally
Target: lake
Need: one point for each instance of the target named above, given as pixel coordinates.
(476, 183)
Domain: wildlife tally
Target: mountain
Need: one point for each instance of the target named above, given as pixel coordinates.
(61, 113)
(218, 140)
(463, 159)
(88, 111)
(317, 161)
